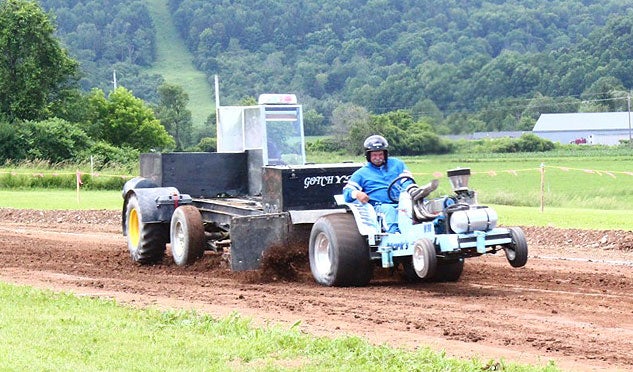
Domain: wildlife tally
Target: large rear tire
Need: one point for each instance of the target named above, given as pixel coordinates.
(423, 262)
(145, 241)
(449, 272)
(517, 250)
(186, 235)
(339, 254)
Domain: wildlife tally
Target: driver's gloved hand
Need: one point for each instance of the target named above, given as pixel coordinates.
(421, 192)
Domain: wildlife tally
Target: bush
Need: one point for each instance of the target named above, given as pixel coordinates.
(325, 145)
(43, 174)
(423, 143)
(526, 143)
(36, 179)
(13, 145)
(206, 144)
(100, 182)
(55, 140)
(532, 143)
(105, 155)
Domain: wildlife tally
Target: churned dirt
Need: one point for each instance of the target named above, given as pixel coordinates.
(571, 304)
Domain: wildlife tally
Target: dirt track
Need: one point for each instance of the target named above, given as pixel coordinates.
(572, 303)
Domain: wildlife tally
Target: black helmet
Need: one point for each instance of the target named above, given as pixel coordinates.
(375, 143)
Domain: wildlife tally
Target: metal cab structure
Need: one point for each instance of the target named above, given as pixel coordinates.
(274, 126)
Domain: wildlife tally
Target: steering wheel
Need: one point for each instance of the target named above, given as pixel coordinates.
(395, 186)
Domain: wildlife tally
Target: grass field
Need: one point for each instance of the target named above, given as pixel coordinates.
(599, 183)
(61, 199)
(591, 192)
(45, 331)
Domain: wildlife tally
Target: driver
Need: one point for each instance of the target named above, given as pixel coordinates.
(369, 184)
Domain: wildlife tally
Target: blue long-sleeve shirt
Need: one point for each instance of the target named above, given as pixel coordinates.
(374, 180)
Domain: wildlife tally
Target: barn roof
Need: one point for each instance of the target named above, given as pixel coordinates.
(582, 121)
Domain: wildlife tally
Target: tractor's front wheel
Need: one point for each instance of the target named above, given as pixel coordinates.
(145, 241)
(517, 250)
(339, 254)
(423, 262)
(187, 235)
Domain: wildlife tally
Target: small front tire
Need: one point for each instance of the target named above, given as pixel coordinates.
(517, 250)
(423, 262)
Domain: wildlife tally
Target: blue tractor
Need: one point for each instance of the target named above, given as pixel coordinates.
(434, 239)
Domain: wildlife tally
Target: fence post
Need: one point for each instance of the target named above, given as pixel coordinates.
(78, 183)
(542, 186)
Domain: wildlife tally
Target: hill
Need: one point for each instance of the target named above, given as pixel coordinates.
(480, 65)
(174, 62)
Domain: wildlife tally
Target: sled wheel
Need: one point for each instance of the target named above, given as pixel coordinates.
(423, 262)
(449, 272)
(145, 241)
(186, 235)
(517, 250)
(339, 254)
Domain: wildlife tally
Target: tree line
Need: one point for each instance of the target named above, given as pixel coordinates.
(409, 70)
(45, 115)
(465, 66)
(468, 66)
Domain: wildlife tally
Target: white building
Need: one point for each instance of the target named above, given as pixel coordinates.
(604, 128)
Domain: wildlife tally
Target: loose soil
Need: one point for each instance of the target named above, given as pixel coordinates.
(571, 304)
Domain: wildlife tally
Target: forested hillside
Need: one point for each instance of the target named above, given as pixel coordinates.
(488, 57)
(462, 66)
(108, 36)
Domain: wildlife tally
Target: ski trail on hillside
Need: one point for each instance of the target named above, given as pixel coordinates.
(174, 62)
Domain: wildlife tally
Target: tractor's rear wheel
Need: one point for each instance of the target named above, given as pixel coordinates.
(145, 241)
(186, 235)
(449, 272)
(517, 250)
(423, 262)
(339, 254)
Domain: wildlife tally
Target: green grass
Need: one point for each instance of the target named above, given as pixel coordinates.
(565, 218)
(589, 190)
(56, 199)
(45, 331)
(597, 183)
(174, 63)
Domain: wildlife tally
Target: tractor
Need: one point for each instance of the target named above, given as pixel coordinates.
(434, 237)
(258, 192)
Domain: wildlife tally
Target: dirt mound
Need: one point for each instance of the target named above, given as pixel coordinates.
(602, 239)
(93, 217)
(598, 239)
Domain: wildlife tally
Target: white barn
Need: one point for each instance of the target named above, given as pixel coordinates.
(604, 128)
